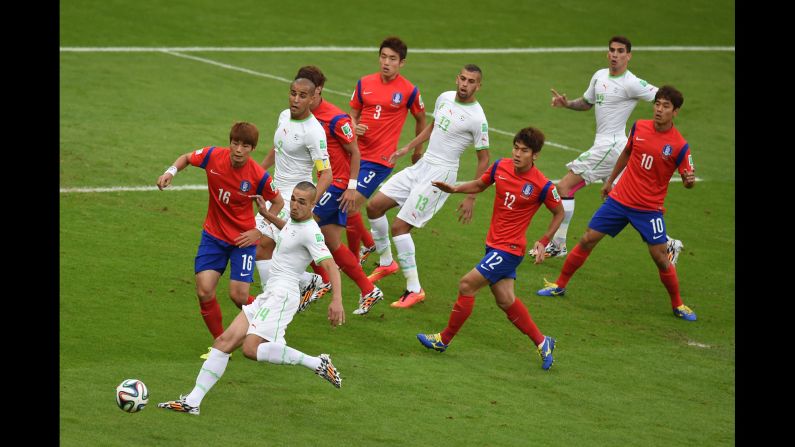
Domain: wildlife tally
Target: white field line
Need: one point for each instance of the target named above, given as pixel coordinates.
(204, 187)
(375, 49)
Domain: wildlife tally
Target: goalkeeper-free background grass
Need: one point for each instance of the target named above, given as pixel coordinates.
(626, 371)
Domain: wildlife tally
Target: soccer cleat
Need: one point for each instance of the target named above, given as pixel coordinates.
(545, 351)
(366, 302)
(382, 271)
(551, 289)
(432, 341)
(553, 250)
(207, 354)
(685, 313)
(673, 247)
(364, 253)
(409, 299)
(327, 371)
(179, 405)
(313, 291)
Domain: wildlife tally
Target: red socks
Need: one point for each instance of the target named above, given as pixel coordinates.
(357, 233)
(671, 283)
(520, 317)
(574, 260)
(211, 312)
(462, 309)
(320, 271)
(348, 263)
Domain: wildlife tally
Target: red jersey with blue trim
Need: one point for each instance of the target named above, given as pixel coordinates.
(384, 107)
(518, 198)
(339, 131)
(652, 161)
(230, 210)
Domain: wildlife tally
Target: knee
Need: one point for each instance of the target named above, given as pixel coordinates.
(466, 288)
(204, 294)
(399, 227)
(239, 298)
(373, 211)
(250, 350)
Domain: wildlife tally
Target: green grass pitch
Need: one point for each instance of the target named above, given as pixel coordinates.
(626, 371)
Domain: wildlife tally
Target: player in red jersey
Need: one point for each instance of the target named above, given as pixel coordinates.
(520, 190)
(332, 207)
(655, 150)
(379, 105)
(229, 234)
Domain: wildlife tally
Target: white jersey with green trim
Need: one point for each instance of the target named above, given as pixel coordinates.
(298, 145)
(456, 127)
(297, 245)
(614, 98)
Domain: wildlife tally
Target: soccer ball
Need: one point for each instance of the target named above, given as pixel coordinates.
(132, 395)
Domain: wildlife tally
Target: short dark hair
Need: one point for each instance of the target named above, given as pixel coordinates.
(474, 68)
(312, 73)
(670, 93)
(531, 137)
(245, 132)
(306, 186)
(621, 39)
(395, 44)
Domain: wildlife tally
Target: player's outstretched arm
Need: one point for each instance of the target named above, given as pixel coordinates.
(418, 129)
(179, 164)
(467, 206)
(472, 186)
(324, 179)
(268, 214)
(621, 163)
(419, 139)
(336, 313)
(559, 100)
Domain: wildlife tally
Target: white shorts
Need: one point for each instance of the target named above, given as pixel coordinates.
(268, 229)
(269, 314)
(597, 163)
(411, 188)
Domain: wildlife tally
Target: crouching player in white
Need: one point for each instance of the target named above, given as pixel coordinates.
(458, 122)
(260, 326)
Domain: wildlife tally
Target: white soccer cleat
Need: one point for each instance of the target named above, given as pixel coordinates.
(673, 247)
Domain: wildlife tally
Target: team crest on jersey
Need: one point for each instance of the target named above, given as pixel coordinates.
(667, 150)
(527, 189)
(245, 186)
(397, 97)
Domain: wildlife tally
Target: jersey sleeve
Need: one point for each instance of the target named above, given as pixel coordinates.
(488, 176)
(356, 101)
(318, 149)
(201, 157)
(590, 93)
(552, 199)
(638, 88)
(340, 127)
(685, 160)
(415, 102)
(266, 188)
(316, 245)
(481, 134)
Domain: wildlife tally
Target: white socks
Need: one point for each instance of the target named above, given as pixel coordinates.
(568, 212)
(380, 231)
(404, 245)
(212, 370)
(280, 354)
(264, 269)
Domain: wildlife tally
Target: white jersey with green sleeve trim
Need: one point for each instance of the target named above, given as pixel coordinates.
(614, 98)
(298, 145)
(456, 127)
(297, 245)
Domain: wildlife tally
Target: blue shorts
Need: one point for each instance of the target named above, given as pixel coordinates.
(612, 217)
(498, 264)
(371, 175)
(213, 254)
(328, 208)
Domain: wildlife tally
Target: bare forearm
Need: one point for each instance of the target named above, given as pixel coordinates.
(579, 104)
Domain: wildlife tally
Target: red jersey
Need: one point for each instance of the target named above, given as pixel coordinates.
(518, 198)
(230, 210)
(339, 130)
(384, 107)
(652, 161)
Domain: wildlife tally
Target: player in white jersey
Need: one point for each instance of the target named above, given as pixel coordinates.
(299, 143)
(614, 91)
(458, 123)
(260, 326)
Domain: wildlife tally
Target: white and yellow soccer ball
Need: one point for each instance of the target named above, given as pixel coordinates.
(132, 395)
